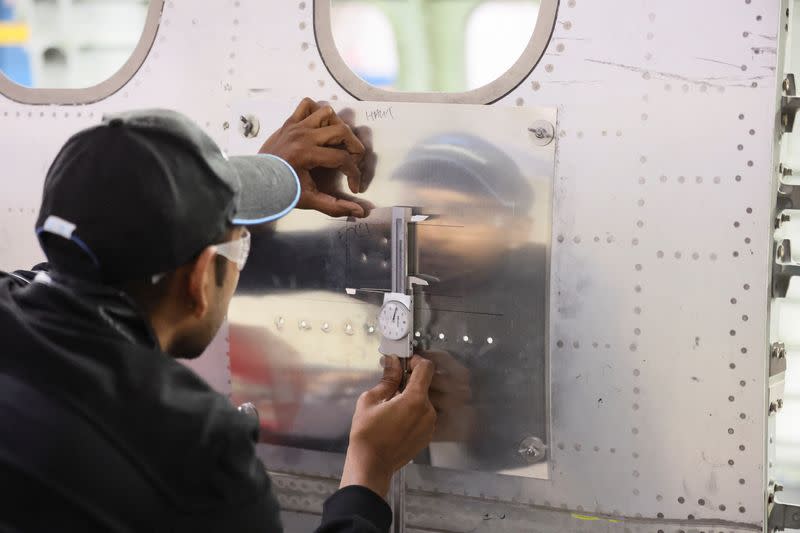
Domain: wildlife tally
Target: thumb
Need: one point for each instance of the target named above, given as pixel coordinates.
(390, 382)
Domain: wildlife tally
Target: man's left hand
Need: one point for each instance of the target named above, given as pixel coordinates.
(319, 145)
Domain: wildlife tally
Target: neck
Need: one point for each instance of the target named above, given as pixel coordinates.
(164, 330)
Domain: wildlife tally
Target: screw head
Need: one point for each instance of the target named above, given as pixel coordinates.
(541, 132)
(248, 409)
(778, 350)
(249, 126)
(780, 251)
(532, 449)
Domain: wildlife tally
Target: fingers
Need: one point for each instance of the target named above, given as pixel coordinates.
(369, 159)
(330, 205)
(319, 118)
(365, 204)
(389, 384)
(338, 134)
(354, 182)
(368, 165)
(320, 156)
(421, 375)
(306, 107)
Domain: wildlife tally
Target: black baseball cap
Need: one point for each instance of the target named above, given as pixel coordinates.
(146, 191)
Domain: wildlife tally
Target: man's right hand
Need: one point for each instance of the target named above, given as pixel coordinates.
(390, 429)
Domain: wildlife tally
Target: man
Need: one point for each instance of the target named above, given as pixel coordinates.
(144, 224)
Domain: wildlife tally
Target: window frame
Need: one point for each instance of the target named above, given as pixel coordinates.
(100, 91)
(487, 94)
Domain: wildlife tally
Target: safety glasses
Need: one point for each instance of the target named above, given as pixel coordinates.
(236, 251)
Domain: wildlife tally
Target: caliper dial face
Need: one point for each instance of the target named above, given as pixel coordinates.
(394, 320)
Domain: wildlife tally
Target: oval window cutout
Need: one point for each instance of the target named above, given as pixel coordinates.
(73, 52)
(420, 51)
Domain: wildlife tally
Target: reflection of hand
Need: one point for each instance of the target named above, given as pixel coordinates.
(389, 429)
(451, 396)
(314, 137)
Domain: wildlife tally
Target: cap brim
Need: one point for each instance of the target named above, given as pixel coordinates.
(270, 189)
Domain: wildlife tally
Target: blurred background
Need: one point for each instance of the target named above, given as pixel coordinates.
(411, 45)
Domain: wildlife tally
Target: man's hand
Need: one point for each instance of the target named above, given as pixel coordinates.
(390, 429)
(329, 180)
(314, 137)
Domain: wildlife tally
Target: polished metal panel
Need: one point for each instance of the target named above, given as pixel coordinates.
(303, 348)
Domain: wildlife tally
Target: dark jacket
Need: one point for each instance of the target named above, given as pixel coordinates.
(102, 431)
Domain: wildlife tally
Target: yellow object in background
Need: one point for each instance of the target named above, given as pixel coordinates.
(13, 33)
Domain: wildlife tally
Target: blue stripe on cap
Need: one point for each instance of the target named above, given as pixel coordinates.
(271, 218)
(78, 241)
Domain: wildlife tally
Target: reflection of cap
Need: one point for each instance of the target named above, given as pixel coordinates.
(465, 163)
(146, 191)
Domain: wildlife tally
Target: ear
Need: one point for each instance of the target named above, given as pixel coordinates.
(201, 277)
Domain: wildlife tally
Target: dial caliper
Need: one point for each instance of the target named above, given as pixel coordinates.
(396, 317)
(396, 324)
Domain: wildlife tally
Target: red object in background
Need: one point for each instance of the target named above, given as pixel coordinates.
(264, 371)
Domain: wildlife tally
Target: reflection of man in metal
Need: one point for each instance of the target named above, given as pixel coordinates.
(485, 325)
(482, 323)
